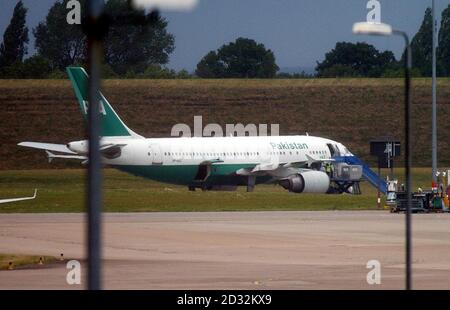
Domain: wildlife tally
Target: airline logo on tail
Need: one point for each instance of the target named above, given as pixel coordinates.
(101, 107)
(111, 124)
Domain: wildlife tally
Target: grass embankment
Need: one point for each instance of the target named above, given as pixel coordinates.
(63, 190)
(351, 111)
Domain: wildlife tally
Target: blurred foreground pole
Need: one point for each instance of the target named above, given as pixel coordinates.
(408, 156)
(96, 27)
(95, 34)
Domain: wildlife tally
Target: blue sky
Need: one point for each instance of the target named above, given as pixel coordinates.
(299, 32)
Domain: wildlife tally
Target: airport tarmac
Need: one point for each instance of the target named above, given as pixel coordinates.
(233, 250)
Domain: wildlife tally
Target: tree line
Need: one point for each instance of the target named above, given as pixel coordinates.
(364, 60)
(142, 50)
(131, 47)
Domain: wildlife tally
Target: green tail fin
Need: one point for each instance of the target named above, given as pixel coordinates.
(112, 125)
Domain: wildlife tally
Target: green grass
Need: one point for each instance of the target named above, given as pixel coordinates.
(63, 190)
(22, 260)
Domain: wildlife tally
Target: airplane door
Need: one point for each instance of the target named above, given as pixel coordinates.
(331, 148)
(155, 154)
(334, 149)
(338, 151)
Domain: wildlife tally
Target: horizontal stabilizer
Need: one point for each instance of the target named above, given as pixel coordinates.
(62, 148)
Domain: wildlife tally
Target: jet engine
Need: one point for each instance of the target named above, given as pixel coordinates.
(307, 182)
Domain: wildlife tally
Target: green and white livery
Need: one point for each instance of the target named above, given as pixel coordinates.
(294, 162)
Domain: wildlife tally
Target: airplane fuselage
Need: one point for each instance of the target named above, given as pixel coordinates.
(300, 164)
(177, 160)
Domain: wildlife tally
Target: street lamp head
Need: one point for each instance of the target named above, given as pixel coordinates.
(169, 5)
(379, 29)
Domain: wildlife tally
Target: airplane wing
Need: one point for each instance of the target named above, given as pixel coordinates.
(281, 169)
(109, 146)
(62, 148)
(270, 169)
(265, 167)
(298, 164)
(18, 199)
(312, 160)
(65, 153)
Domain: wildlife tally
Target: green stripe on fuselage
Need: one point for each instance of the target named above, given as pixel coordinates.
(223, 174)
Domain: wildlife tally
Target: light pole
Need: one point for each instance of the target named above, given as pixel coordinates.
(96, 27)
(434, 107)
(386, 30)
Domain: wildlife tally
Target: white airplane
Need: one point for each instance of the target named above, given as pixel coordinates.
(209, 163)
(18, 199)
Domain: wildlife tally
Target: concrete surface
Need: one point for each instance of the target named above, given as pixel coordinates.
(233, 250)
